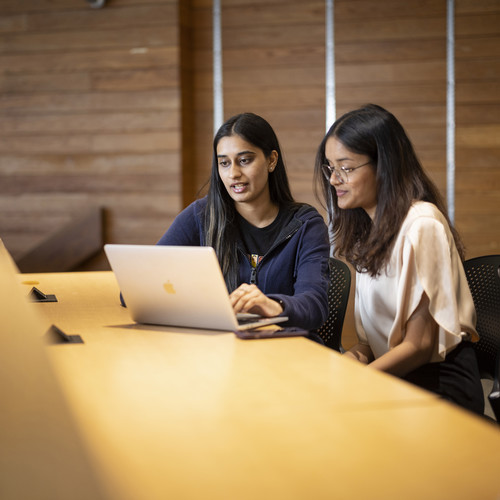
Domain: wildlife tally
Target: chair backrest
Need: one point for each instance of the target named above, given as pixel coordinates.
(338, 296)
(483, 276)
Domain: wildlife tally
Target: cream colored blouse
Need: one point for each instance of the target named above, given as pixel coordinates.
(424, 260)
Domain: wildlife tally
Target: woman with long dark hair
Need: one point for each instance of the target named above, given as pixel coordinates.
(273, 251)
(414, 314)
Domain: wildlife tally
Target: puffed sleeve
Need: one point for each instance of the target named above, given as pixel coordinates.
(431, 265)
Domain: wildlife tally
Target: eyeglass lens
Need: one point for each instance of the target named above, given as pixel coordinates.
(340, 174)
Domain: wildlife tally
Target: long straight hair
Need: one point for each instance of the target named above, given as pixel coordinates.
(221, 230)
(400, 180)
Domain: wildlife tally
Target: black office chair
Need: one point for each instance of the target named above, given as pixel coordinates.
(338, 295)
(483, 275)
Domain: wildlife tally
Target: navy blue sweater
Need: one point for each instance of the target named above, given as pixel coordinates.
(294, 271)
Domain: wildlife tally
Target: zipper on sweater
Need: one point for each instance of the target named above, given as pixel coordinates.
(253, 274)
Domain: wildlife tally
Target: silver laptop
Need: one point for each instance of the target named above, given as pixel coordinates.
(177, 286)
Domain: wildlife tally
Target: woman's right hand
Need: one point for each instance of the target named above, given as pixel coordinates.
(248, 298)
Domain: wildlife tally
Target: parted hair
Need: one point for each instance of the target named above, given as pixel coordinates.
(400, 180)
(221, 230)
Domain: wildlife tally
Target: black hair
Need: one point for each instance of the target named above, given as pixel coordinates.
(400, 180)
(221, 231)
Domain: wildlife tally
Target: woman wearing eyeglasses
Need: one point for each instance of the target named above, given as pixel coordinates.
(273, 251)
(414, 314)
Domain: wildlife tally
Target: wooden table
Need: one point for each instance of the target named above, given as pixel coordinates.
(168, 413)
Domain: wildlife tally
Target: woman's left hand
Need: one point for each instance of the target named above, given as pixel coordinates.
(248, 298)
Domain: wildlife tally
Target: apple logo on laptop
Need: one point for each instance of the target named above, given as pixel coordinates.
(169, 287)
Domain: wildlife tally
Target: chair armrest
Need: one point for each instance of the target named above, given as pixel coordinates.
(494, 399)
(494, 395)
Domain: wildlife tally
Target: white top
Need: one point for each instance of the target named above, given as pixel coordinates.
(424, 259)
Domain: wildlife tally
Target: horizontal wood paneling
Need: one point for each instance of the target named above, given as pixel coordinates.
(98, 143)
(115, 80)
(102, 164)
(101, 39)
(468, 7)
(356, 10)
(112, 17)
(8, 7)
(49, 102)
(19, 184)
(410, 93)
(91, 60)
(90, 114)
(478, 125)
(108, 122)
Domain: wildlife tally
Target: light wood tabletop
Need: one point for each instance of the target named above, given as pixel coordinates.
(185, 414)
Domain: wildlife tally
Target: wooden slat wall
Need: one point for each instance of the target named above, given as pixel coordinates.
(274, 65)
(396, 57)
(89, 116)
(478, 125)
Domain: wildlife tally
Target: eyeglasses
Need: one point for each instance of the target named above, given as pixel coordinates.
(341, 173)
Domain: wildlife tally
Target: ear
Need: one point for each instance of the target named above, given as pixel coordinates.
(273, 160)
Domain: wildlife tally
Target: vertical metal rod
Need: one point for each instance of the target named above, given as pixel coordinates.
(330, 64)
(218, 97)
(450, 109)
(331, 111)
